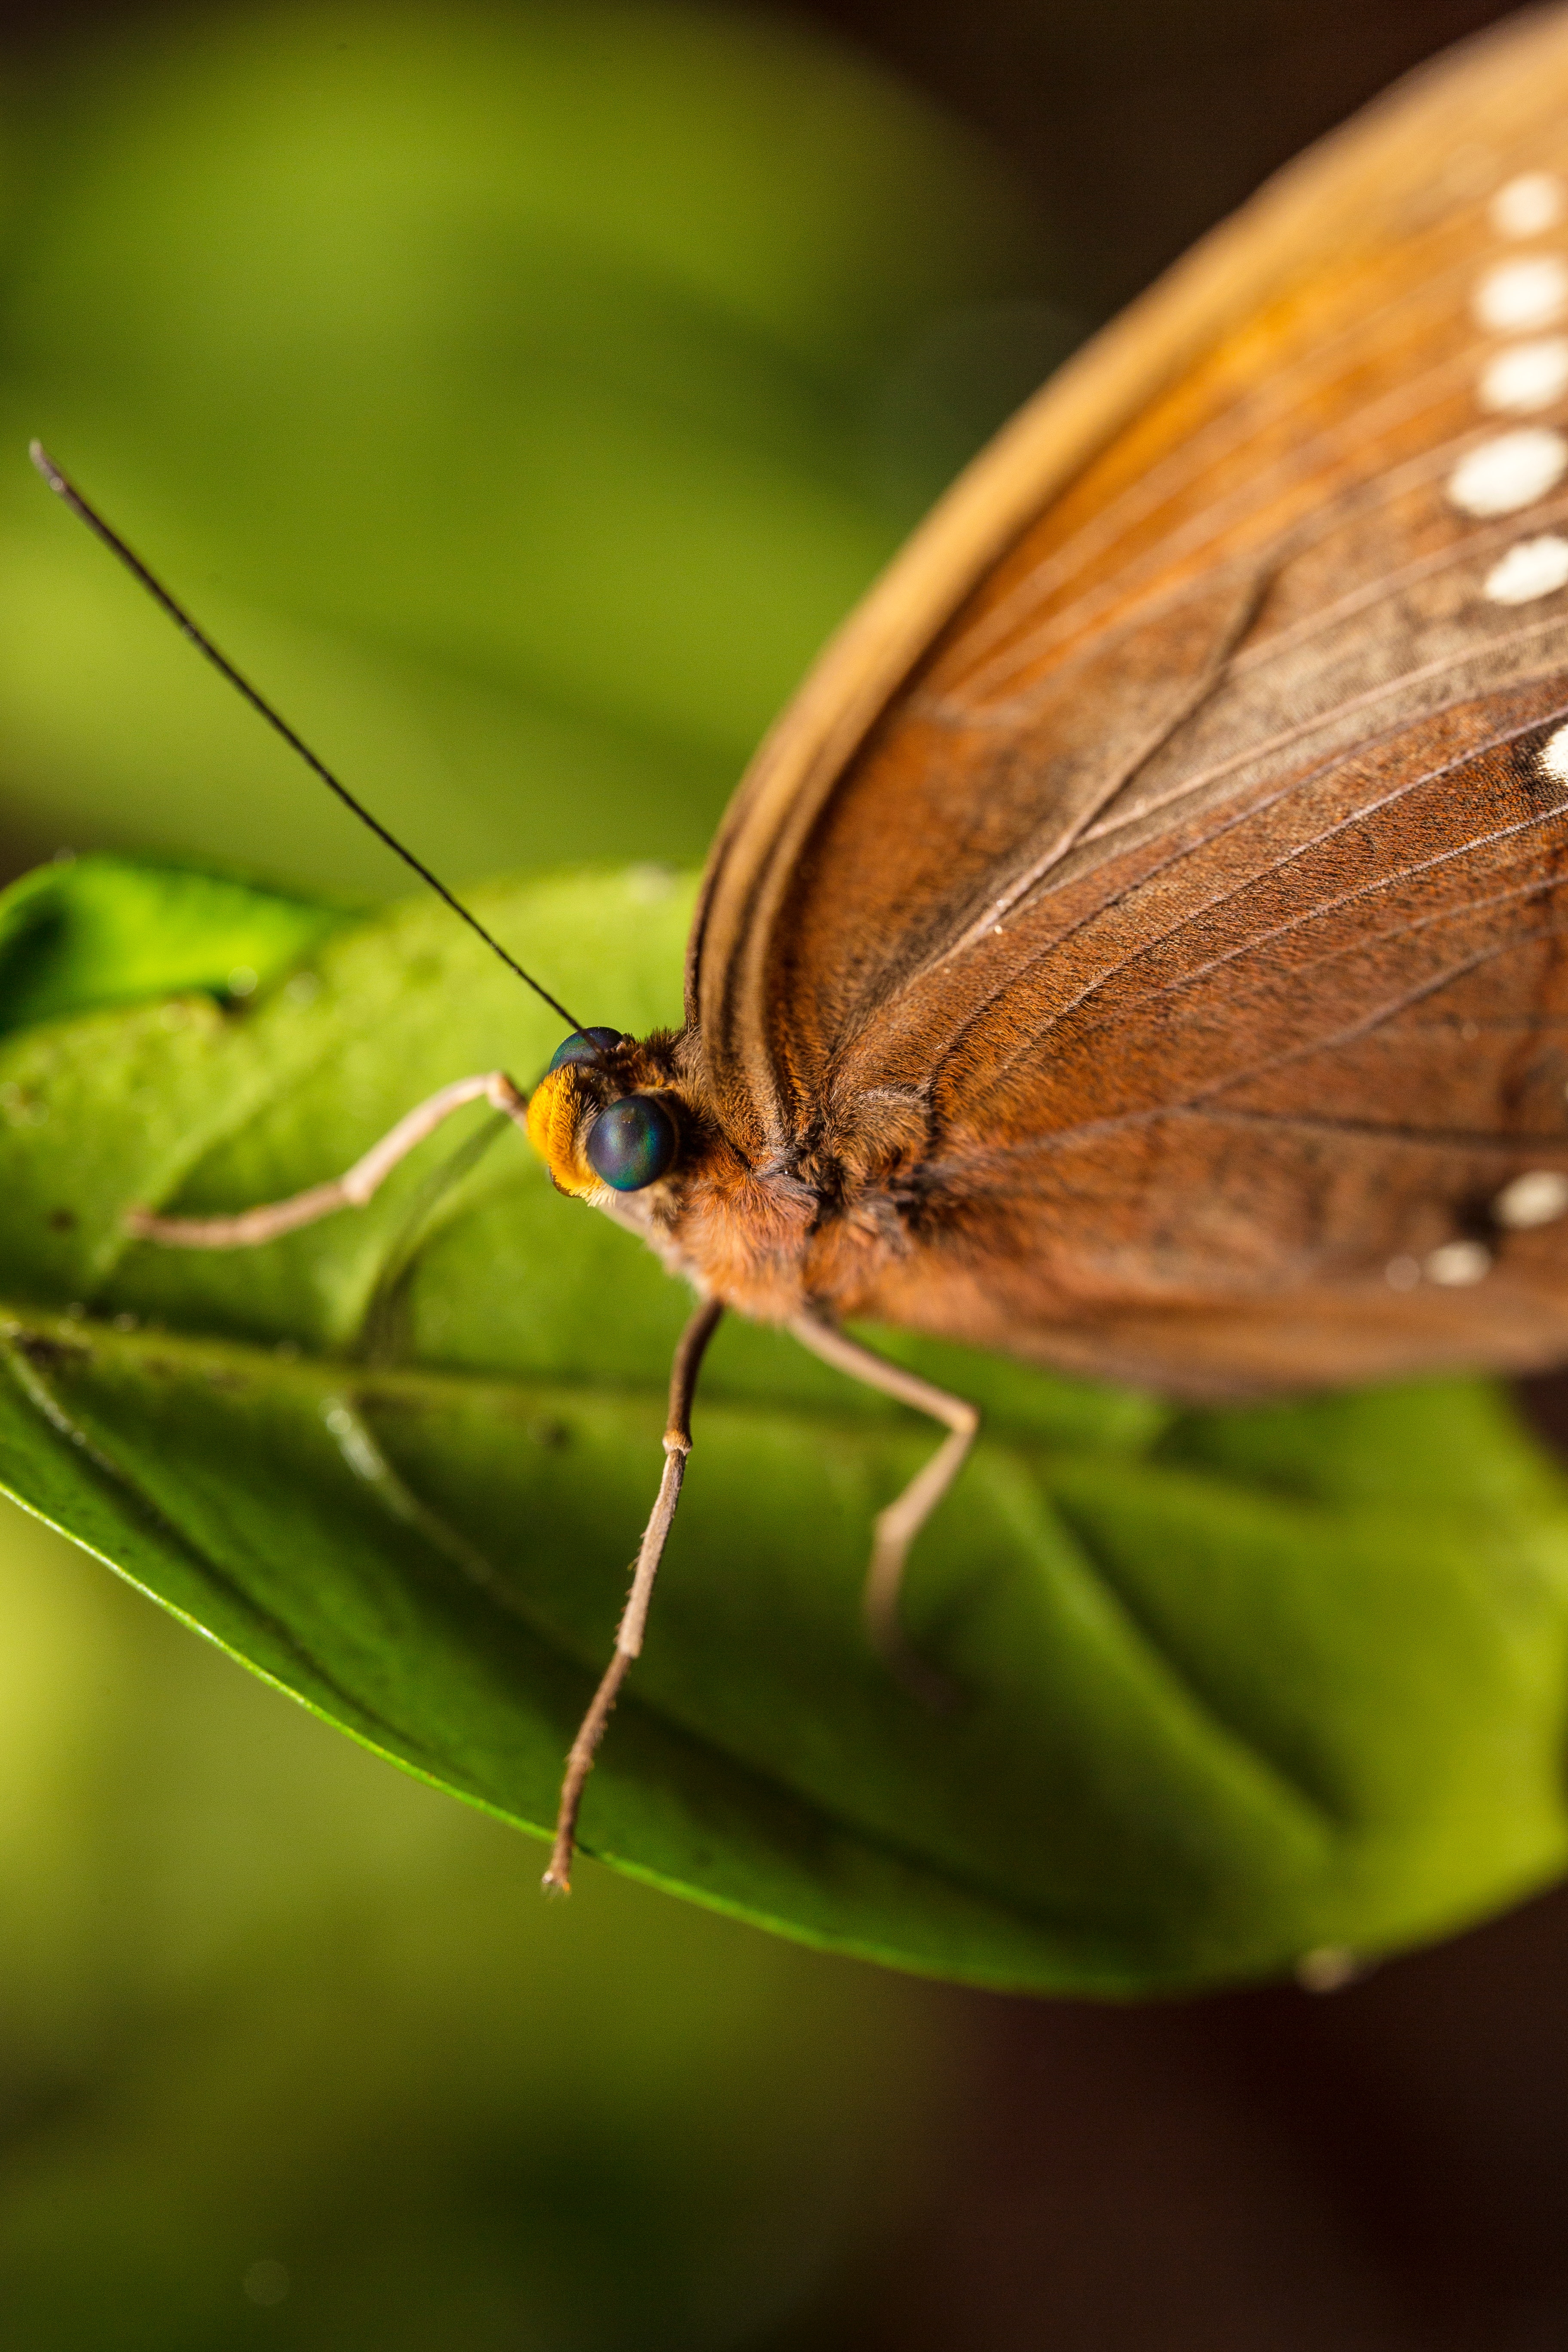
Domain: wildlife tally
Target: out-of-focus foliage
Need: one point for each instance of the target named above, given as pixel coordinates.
(524, 393)
(292, 2053)
(1235, 1687)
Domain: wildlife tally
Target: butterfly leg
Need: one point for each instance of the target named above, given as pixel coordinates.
(897, 1526)
(350, 1190)
(689, 1354)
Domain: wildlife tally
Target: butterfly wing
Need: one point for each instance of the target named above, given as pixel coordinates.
(1160, 888)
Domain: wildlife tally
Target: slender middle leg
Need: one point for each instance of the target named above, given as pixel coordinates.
(350, 1190)
(683, 1371)
(897, 1526)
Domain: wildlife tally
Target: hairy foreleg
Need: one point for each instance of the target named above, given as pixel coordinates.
(683, 1374)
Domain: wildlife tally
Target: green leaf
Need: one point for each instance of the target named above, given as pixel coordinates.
(112, 931)
(1238, 1686)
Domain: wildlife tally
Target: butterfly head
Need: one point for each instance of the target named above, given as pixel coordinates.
(592, 1122)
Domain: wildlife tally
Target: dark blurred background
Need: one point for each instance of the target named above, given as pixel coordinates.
(291, 2053)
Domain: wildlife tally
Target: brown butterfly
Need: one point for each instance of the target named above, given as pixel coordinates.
(1143, 946)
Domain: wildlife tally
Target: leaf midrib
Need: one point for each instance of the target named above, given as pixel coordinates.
(305, 1375)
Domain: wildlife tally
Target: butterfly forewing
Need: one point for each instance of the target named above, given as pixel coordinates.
(1180, 929)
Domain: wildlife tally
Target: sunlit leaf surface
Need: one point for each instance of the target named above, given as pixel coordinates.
(1238, 1686)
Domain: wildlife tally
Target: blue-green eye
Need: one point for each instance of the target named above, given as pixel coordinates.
(586, 1045)
(631, 1143)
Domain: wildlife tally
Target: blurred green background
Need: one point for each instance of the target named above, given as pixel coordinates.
(522, 393)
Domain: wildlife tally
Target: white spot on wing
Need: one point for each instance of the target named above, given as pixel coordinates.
(1516, 296)
(1535, 567)
(1529, 206)
(1554, 755)
(1526, 376)
(1512, 471)
(1538, 1198)
(1456, 1265)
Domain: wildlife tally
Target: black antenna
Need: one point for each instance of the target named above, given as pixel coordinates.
(63, 488)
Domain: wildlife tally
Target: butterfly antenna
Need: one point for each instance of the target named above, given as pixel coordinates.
(63, 488)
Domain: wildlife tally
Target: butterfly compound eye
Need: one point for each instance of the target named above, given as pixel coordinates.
(584, 1045)
(631, 1143)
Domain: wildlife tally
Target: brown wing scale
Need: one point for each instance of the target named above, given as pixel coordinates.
(1160, 891)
